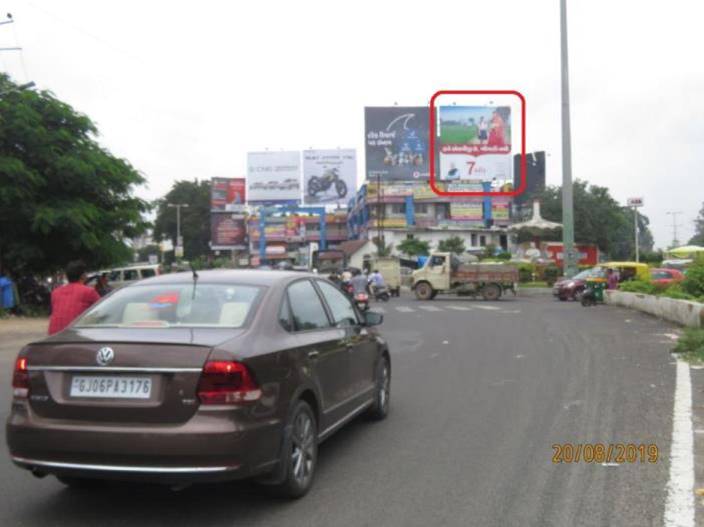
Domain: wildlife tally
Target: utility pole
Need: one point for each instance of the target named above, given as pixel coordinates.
(178, 251)
(570, 263)
(674, 213)
(635, 225)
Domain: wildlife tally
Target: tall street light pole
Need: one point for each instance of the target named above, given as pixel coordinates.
(570, 262)
(177, 206)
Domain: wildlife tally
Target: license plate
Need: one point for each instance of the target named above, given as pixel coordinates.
(111, 387)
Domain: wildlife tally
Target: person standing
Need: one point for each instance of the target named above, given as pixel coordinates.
(71, 300)
(102, 287)
(611, 279)
(7, 292)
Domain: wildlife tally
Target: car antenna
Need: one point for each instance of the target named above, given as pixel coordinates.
(195, 279)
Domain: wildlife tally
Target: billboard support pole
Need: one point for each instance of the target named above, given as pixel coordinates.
(570, 265)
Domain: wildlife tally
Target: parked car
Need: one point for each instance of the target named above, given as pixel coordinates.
(571, 288)
(666, 276)
(184, 378)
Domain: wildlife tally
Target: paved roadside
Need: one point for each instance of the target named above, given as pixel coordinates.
(18, 331)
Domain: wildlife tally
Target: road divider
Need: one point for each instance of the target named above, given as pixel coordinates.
(682, 312)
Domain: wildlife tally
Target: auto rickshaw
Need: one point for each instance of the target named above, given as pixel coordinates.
(595, 287)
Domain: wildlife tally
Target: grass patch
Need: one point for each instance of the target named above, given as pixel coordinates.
(690, 346)
(458, 134)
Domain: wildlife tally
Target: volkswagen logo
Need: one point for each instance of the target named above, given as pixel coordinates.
(105, 356)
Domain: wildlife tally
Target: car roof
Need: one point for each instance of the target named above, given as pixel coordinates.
(260, 277)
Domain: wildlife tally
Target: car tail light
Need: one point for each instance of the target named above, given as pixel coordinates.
(227, 382)
(20, 379)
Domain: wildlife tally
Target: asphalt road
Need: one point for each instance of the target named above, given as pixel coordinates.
(480, 393)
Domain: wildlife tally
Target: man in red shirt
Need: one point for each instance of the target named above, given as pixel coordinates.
(72, 299)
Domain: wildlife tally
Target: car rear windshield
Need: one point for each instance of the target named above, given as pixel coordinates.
(174, 305)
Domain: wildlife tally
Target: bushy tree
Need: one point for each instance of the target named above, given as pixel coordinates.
(62, 195)
(195, 219)
(453, 244)
(414, 247)
(598, 219)
(698, 238)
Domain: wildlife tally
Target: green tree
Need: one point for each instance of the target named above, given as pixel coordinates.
(414, 247)
(453, 244)
(598, 219)
(383, 249)
(195, 219)
(698, 238)
(62, 195)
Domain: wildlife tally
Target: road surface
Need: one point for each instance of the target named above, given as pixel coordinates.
(480, 393)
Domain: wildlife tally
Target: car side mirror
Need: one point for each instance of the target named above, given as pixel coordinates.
(372, 318)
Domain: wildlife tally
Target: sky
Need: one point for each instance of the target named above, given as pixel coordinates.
(184, 90)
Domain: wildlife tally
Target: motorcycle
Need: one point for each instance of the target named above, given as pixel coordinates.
(361, 300)
(329, 178)
(380, 292)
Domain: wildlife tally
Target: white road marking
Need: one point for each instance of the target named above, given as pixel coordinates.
(430, 308)
(520, 356)
(679, 505)
(445, 341)
(405, 309)
(488, 308)
(459, 308)
(512, 312)
(610, 464)
(379, 310)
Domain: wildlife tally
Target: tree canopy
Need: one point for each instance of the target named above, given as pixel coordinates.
(62, 195)
(698, 238)
(195, 219)
(598, 219)
(414, 247)
(453, 244)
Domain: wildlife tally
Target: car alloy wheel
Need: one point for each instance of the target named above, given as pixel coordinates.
(380, 409)
(303, 449)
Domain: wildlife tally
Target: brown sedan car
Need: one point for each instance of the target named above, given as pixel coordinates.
(185, 378)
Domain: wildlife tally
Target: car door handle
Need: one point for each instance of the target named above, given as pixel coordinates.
(313, 354)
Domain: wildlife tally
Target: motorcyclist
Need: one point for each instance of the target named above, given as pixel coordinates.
(376, 279)
(359, 282)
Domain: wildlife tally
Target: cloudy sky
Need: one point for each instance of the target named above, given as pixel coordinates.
(185, 89)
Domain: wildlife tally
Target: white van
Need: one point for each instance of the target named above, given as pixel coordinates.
(121, 276)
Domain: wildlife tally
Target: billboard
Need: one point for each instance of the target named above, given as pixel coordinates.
(468, 210)
(227, 231)
(535, 176)
(227, 194)
(500, 210)
(329, 176)
(396, 142)
(273, 177)
(587, 254)
(475, 143)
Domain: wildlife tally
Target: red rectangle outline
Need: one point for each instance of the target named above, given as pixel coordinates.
(524, 169)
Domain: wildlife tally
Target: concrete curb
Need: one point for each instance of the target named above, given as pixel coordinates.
(682, 312)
